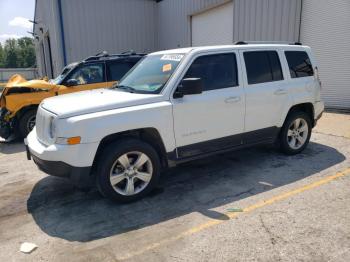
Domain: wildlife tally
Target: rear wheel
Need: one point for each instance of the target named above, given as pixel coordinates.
(27, 123)
(295, 133)
(127, 170)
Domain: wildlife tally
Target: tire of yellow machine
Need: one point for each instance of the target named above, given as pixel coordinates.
(26, 123)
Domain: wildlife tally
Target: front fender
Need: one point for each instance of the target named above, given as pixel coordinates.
(94, 127)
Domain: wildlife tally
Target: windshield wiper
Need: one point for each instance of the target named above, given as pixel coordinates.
(126, 88)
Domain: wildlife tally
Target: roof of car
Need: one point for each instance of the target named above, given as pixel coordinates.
(105, 56)
(234, 46)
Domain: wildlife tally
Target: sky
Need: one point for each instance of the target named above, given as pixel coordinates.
(14, 15)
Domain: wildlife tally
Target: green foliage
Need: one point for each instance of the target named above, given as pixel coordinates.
(1, 56)
(26, 52)
(11, 50)
(17, 53)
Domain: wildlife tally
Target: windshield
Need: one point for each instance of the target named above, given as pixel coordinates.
(60, 77)
(150, 74)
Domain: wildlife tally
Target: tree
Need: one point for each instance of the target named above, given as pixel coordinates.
(18, 53)
(1, 56)
(26, 52)
(11, 50)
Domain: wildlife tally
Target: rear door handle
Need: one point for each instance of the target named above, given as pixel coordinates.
(233, 99)
(280, 92)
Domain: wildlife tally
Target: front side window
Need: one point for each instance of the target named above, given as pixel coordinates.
(60, 77)
(117, 69)
(216, 71)
(151, 74)
(88, 74)
(299, 64)
(262, 66)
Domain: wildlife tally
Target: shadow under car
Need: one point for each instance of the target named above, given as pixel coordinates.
(199, 186)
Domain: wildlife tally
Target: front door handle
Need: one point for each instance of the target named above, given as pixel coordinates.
(233, 99)
(280, 91)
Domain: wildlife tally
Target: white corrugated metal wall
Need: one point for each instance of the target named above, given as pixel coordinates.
(271, 20)
(92, 26)
(276, 20)
(143, 25)
(174, 20)
(47, 19)
(325, 27)
(213, 26)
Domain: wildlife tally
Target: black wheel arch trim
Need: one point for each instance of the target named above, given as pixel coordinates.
(307, 107)
(149, 135)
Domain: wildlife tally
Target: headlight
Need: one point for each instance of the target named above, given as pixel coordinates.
(52, 130)
(61, 140)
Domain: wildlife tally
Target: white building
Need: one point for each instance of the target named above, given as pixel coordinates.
(70, 30)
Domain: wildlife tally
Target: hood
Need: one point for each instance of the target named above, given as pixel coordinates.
(20, 81)
(93, 101)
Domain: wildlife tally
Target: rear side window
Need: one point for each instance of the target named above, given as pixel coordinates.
(262, 66)
(216, 71)
(117, 69)
(299, 64)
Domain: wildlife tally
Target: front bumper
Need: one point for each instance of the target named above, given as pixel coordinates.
(6, 127)
(80, 176)
(58, 160)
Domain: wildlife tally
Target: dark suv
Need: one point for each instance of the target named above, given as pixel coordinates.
(20, 98)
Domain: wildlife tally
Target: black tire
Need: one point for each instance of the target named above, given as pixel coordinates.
(109, 157)
(283, 138)
(23, 123)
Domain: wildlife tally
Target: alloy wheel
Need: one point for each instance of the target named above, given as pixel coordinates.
(131, 173)
(297, 133)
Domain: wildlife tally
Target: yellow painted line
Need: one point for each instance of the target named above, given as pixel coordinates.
(248, 209)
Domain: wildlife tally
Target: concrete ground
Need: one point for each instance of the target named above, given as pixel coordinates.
(294, 208)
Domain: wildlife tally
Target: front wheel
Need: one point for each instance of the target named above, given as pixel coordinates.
(295, 133)
(26, 123)
(127, 170)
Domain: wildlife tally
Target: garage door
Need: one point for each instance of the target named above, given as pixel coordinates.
(325, 26)
(214, 26)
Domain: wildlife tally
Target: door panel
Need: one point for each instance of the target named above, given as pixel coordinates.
(264, 104)
(266, 94)
(208, 121)
(206, 117)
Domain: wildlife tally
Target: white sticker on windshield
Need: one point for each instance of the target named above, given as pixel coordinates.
(173, 57)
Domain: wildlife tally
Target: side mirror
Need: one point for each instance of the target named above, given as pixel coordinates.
(72, 82)
(189, 86)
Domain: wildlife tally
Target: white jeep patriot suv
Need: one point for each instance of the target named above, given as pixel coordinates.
(174, 106)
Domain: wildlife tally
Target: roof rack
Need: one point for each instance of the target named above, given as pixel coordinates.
(97, 56)
(265, 42)
(105, 54)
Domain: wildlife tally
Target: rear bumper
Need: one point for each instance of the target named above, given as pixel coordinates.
(318, 111)
(318, 108)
